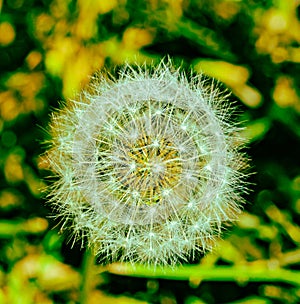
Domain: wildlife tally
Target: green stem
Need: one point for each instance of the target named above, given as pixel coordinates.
(88, 272)
(239, 273)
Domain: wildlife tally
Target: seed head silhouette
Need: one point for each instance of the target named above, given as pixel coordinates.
(149, 165)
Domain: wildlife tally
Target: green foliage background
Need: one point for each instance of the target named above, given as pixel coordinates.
(48, 50)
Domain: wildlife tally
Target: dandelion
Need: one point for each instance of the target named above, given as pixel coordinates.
(149, 165)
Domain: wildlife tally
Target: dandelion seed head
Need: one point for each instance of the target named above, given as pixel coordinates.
(148, 166)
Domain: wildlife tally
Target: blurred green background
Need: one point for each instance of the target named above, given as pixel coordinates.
(48, 50)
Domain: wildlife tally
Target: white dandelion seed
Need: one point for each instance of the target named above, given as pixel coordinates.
(148, 165)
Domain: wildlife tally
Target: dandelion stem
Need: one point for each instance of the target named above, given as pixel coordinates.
(87, 275)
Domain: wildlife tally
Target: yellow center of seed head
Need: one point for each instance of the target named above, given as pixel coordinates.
(153, 168)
